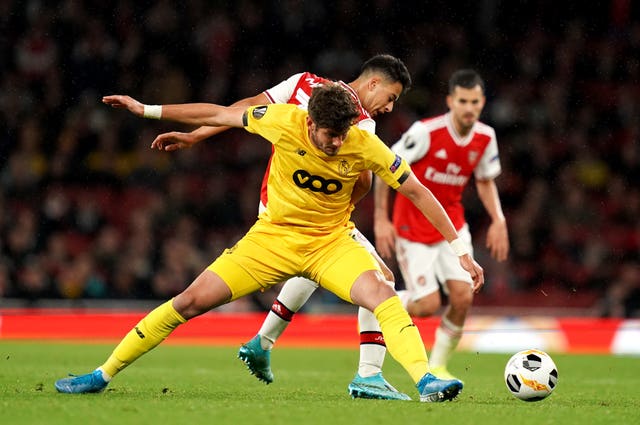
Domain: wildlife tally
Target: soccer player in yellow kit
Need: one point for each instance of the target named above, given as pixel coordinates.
(304, 231)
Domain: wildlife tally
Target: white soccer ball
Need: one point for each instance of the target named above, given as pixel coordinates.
(531, 375)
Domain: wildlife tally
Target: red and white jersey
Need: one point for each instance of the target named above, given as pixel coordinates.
(444, 162)
(296, 90)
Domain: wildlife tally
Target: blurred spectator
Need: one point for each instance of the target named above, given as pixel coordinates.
(622, 298)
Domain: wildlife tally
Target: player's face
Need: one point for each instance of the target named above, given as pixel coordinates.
(380, 97)
(466, 106)
(327, 140)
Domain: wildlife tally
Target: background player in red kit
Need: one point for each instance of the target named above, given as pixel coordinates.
(382, 79)
(444, 152)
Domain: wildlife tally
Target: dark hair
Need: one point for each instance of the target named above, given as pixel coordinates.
(331, 106)
(465, 78)
(391, 67)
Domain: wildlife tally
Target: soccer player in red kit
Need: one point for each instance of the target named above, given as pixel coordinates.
(444, 152)
(382, 79)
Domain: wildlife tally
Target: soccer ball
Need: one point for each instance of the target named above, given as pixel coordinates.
(531, 375)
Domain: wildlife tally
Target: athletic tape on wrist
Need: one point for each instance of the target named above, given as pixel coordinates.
(459, 247)
(153, 112)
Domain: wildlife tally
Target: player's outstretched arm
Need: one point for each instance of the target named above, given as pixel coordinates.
(207, 114)
(175, 140)
(424, 200)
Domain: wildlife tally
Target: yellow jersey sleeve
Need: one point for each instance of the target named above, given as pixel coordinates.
(380, 159)
(269, 121)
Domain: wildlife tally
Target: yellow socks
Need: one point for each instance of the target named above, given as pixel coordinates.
(149, 332)
(402, 337)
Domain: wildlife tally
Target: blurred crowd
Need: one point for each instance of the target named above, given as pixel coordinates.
(87, 210)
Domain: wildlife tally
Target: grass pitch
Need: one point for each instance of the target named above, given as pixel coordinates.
(208, 385)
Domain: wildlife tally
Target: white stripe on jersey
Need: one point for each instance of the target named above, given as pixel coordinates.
(303, 98)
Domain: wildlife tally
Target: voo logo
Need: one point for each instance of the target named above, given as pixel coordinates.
(305, 180)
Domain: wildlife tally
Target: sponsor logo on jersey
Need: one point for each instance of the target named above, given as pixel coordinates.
(259, 112)
(344, 167)
(441, 154)
(139, 332)
(396, 164)
(313, 82)
(448, 178)
(453, 168)
(301, 152)
(303, 179)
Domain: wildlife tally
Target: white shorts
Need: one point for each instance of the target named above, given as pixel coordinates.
(359, 237)
(423, 266)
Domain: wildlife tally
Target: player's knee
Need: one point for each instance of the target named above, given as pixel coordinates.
(184, 303)
(461, 298)
(388, 275)
(373, 293)
(425, 306)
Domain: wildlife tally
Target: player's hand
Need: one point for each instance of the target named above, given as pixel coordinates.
(124, 102)
(173, 141)
(474, 269)
(385, 238)
(498, 240)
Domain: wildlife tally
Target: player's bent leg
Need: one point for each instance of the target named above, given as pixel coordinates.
(368, 289)
(405, 345)
(256, 353)
(372, 345)
(403, 339)
(257, 359)
(369, 382)
(293, 295)
(146, 335)
(206, 292)
(450, 330)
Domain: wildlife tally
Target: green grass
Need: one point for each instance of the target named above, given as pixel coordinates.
(208, 385)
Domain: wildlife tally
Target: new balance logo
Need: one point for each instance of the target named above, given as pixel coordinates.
(408, 326)
(139, 332)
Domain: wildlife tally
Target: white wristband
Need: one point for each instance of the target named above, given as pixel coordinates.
(153, 112)
(459, 247)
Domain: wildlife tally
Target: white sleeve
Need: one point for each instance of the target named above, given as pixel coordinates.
(489, 166)
(367, 124)
(282, 92)
(414, 143)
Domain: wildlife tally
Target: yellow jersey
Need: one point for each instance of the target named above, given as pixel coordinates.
(308, 189)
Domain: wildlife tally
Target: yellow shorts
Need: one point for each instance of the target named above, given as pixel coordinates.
(270, 254)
